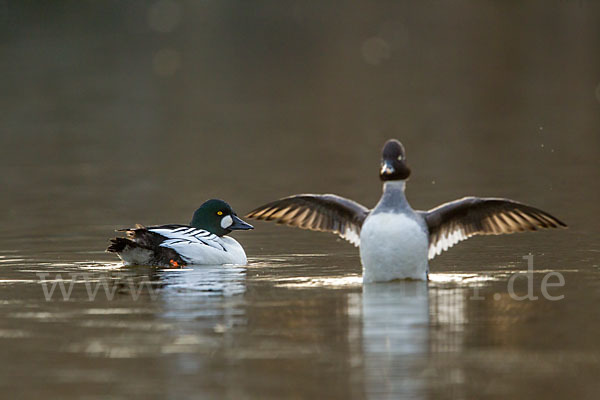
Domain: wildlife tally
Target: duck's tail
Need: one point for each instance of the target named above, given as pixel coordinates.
(131, 252)
(117, 245)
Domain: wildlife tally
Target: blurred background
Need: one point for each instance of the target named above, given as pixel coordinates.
(114, 113)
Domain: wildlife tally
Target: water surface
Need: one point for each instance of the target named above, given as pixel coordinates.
(111, 116)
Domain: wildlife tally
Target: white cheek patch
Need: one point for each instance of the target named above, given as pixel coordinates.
(226, 221)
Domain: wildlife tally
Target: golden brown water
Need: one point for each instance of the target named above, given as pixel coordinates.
(113, 114)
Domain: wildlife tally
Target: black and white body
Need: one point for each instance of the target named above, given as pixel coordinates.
(396, 241)
(204, 241)
(393, 240)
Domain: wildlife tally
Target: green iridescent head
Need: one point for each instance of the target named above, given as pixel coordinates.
(216, 216)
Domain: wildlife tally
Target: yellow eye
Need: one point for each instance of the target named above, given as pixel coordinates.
(219, 212)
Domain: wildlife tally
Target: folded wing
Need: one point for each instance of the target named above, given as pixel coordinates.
(327, 213)
(187, 237)
(458, 220)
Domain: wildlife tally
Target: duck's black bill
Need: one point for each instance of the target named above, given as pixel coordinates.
(239, 225)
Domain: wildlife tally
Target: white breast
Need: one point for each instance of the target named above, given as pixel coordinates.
(393, 246)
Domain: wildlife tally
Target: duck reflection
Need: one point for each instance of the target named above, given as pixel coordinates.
(203, 280)
(394, 323)
(221, 280)
(397, 327)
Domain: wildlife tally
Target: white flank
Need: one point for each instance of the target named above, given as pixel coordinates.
(393, 246)
(197, 253)
(197, 246)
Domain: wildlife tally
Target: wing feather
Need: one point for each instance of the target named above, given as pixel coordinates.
(458, 220)
(327, 213)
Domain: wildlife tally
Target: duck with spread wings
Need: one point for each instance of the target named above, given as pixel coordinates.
(396, 241)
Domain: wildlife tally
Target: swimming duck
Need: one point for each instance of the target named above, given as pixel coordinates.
(395, 241)
(203, 241)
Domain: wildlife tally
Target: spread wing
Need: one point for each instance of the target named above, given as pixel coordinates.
(325, 212)
(458, 220)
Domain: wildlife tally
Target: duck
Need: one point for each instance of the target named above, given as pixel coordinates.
(394, 240)
(203, 241)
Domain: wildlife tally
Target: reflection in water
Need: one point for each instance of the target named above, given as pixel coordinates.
(450, 298)
(222, 280)
(448, 317)
(395, 337)
(346, 281)
(253, 102)
(401, 325)
(202, 303)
